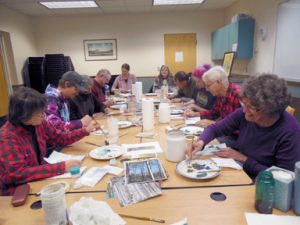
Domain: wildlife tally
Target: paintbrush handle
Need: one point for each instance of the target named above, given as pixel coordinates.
(90, 143)
(143, 218)
(208, 171)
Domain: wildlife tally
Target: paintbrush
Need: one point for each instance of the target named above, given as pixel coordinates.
(207, 171)
(104, 134)
(143, 218)
(90, 143)
(192, 144)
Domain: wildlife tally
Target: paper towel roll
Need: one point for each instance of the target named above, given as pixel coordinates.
(139, 91)
(133, 89)
(164, 113)
(148, 114)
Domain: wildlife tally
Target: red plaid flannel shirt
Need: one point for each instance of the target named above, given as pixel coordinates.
(224, 105)
(18, 161)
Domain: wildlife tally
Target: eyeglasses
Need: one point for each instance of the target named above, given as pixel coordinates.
(210, 85)
(249, 107)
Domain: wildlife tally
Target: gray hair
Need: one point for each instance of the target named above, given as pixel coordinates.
(104, 72)
(216, 73)
(268, 93)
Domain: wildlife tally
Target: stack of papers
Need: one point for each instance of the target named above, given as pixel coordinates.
(227, 162)
(132, 193)
(57, 157)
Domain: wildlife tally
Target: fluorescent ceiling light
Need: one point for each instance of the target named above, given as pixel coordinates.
(69, 4)
(177, 2)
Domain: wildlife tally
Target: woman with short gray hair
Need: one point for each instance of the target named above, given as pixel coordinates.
(268, 135)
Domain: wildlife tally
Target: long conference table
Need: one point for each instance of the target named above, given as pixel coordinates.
(228, 177)
(181, 197)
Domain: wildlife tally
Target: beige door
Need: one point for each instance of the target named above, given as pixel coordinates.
(3, 91)
(180, 52)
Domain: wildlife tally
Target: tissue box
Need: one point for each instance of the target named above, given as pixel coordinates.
(284, 182)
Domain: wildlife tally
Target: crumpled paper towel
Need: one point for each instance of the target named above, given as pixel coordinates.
(88, 211)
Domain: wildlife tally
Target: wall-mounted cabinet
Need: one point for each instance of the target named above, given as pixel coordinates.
(239, 34)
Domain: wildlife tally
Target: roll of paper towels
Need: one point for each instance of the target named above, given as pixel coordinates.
(148, 114)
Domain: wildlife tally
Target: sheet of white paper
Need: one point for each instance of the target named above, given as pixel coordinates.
(68, 175)
(211, 149)
(114, 169)
(57, 157)
(92, 176)
(227, 162)
(142, 148)
(178, 56)
(234, 47)
(263, 219)
(192, 120)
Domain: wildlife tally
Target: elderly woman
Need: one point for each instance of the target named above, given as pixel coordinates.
(85, 103)
(269, 136)
(187, 87)
(165, 78)
(228, 96)
(124, 81)
(23, 141)
(203, 99)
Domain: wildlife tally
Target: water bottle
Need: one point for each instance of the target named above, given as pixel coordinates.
(297, 189)
(264, 197)
(107, 92)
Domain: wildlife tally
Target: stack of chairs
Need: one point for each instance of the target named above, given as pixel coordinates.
(54, 66)
(32, 74)
(38, 72)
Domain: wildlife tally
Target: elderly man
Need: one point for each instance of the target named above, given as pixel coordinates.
(228, 96)
(85, 103)
(103, 77)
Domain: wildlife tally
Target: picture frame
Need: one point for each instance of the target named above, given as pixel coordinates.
(100, 49)
(228, 61)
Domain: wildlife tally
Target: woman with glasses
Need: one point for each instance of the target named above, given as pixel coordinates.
(23, 141)
(268, 135)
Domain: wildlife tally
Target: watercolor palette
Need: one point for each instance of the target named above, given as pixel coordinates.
(199, 169)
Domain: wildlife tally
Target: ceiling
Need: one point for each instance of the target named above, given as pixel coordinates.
(33, 8)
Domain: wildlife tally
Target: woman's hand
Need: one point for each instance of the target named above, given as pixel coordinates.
(71, 163)
(92, 126)
(191, 150)
(231, 153)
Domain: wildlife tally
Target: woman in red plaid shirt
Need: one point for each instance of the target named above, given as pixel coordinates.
(23, 141)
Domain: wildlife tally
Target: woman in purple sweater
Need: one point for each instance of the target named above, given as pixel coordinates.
(268, 135)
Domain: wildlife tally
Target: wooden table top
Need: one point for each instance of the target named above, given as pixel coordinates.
(128, 136)
(172, 206)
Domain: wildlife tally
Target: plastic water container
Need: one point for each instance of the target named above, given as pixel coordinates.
(297, 189)
(54, 204)
(176, 146)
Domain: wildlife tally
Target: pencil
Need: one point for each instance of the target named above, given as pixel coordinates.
(143, 218)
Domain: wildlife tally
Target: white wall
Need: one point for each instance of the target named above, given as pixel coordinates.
(265, 14)
(21, 32)
(140, 37)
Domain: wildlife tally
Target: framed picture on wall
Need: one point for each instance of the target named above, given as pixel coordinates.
(100, 49)
(228, 62)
